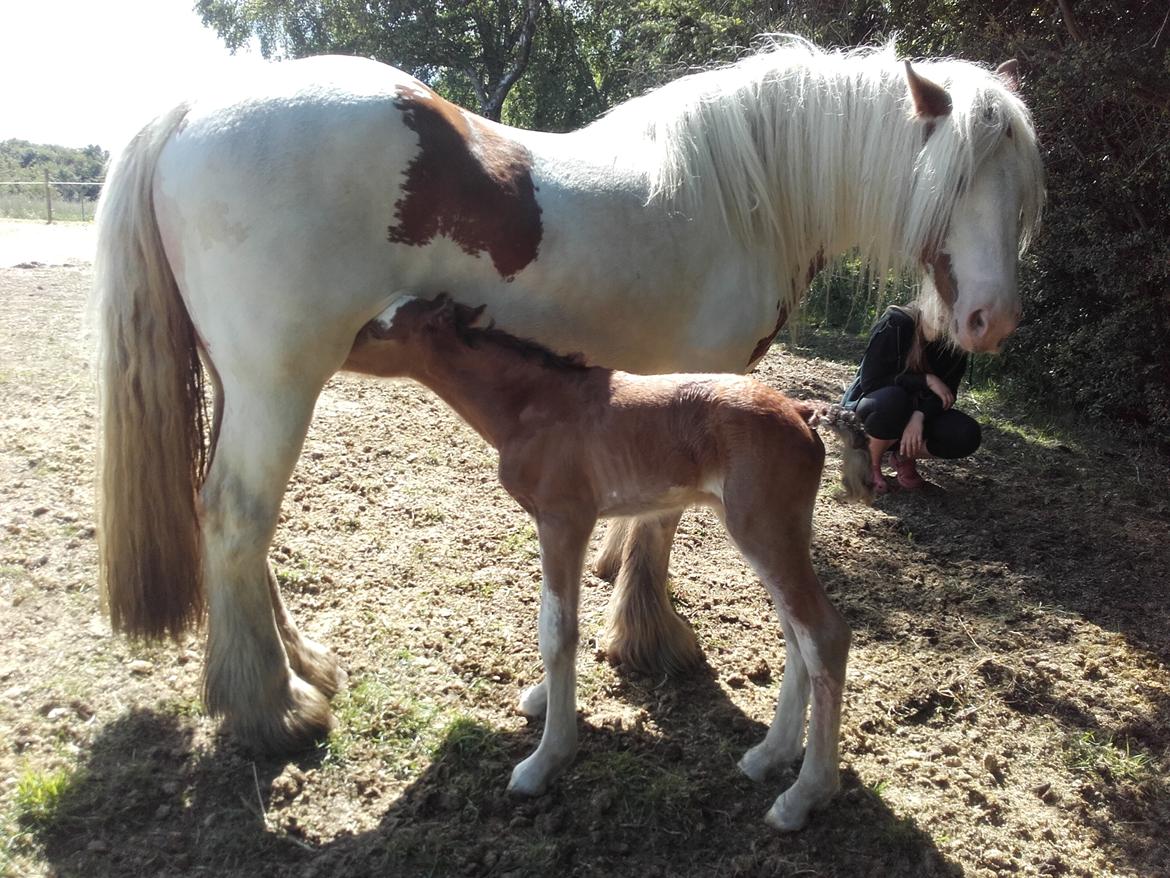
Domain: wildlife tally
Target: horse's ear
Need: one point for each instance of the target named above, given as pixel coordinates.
(1009, 74)
(930, 98)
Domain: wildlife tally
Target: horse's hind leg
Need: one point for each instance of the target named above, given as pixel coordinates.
(643, 630)
(257, 663)
(609, 560)
(309, 660)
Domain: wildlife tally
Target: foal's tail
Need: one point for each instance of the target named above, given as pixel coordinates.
(152, 447)
(855, 469)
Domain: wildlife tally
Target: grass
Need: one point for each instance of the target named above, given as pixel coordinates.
(376, 715)
(39, 795)
(26, 206)
(1086, 752)
(522, 542)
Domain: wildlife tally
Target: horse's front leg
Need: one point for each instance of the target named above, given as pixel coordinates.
(563, 540)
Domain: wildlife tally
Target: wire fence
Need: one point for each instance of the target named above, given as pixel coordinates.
(49, 200)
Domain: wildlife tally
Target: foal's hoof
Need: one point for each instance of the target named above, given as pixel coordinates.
(757, 764)
(607, 566)
(528, 779)
(786, 816)
(534, 701)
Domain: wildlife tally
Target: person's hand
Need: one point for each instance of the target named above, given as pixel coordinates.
(913, 444)
(940, 389)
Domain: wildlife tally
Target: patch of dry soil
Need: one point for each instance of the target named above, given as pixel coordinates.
(1006, 710)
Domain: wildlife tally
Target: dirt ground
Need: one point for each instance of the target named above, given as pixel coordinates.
(1007, 706)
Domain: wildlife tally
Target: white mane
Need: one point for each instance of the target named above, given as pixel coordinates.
(800, 150)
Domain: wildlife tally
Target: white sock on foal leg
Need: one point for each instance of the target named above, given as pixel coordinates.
(558, 744)
(785, 737)
(825, 654)
(534, 700)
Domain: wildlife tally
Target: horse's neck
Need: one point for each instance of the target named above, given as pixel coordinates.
(487, 386)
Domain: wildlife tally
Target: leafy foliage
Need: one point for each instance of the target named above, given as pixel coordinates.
(21, 160)
(1096, 75)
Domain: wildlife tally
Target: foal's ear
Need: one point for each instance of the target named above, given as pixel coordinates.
(1009, 74)
(930, 99)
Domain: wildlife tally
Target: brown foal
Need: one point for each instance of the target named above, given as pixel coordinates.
(579, 443)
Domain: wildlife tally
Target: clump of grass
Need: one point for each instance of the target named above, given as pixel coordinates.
(521, 541)
(39, 795)
(1086, 752)
(466, 740)
(376, 719)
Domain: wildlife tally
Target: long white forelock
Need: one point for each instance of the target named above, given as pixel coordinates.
(760, 143)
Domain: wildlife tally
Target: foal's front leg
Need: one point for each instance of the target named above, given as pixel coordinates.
(563, 539)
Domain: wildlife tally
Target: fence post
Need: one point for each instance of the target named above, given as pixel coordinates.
(48, 197)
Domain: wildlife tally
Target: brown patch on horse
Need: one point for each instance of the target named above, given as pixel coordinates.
(815, 266)
(468, 184)
(944, 278)
(764, 343)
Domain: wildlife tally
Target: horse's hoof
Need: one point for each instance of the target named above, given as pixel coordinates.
(607, 567)
(303, 723)
(318, 667)
(534, 701)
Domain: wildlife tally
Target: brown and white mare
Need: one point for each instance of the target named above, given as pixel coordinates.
(258, 228)
(580, 443)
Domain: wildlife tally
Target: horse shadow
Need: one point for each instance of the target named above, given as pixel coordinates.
(663, 798)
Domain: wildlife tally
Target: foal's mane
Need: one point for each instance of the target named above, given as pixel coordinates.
(461, 319)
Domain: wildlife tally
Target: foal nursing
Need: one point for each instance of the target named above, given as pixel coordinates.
(579, 443)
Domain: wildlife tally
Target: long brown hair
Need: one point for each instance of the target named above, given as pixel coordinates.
(916, 358)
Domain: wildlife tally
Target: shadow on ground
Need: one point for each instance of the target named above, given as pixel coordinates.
(145, 803)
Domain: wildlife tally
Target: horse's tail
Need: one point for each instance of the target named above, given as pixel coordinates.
(855, 468)
(152, 447)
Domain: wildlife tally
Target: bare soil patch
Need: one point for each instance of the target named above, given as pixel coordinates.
(1006, 712)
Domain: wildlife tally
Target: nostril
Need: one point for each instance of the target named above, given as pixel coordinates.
(977, 322)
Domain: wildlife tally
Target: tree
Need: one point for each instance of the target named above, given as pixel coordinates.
(477, 48)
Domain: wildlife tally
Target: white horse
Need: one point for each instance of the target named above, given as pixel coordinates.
(258, 229)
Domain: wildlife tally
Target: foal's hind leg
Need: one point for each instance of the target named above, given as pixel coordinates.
(250, 676)
(776, 542)
(609, 560)
(785, 737)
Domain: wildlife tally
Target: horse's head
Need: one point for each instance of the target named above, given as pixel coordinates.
(981, 154)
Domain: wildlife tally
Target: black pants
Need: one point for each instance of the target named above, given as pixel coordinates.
(950, 434)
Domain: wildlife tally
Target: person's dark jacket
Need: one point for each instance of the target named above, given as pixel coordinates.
(884, 364)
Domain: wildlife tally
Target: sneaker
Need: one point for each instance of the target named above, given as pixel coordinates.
(880, 485)
(908, 476)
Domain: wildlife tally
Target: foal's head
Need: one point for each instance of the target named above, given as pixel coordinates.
(397, 341)
(411, 330)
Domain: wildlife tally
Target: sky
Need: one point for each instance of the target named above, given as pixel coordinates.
(78, 72)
